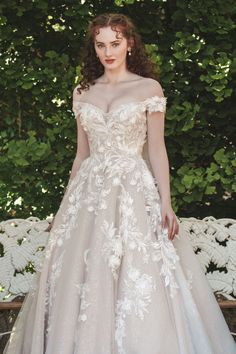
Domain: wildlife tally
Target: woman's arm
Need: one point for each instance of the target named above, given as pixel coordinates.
(160, 165)
(82, 152)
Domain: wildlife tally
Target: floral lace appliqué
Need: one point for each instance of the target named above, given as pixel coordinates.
(137, 296)
(112, 250)
(163, 251)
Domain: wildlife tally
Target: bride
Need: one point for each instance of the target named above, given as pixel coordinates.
(119, 274)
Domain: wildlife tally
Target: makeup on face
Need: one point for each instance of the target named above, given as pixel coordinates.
(109, 47)
(109, 61)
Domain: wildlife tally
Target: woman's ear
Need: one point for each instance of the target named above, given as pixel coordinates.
(131, 43)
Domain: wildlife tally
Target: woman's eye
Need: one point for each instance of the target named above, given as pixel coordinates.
(113, 45)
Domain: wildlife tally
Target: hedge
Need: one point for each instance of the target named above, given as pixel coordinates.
(192, 45)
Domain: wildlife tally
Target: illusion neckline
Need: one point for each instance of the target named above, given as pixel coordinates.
(120, 105)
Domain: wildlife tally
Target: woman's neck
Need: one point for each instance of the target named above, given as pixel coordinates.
(114, 76)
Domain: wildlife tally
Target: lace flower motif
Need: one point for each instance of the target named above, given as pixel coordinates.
(155, 104)
(83, 289)
(112, 250)
(137, 296)
(164, 252)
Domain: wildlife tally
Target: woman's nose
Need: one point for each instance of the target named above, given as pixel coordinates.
(107, 51)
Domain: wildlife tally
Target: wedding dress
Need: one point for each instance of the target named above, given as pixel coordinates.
(111, 281)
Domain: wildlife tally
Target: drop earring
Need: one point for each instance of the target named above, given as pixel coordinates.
(129, 52)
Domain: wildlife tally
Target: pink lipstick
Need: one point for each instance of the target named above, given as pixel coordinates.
(109, 61)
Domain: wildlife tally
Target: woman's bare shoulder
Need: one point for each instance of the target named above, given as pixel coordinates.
(78, 92)
(153, 87)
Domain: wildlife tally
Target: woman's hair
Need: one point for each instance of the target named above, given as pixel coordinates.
(138, 62)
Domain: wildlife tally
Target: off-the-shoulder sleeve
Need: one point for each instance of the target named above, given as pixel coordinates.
(76, 106)
(76, 101)
(155, 104)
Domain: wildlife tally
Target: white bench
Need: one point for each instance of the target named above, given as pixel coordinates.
(23, 242)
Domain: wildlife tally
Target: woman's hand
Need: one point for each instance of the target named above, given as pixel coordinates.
(50, 225)
(169, 220)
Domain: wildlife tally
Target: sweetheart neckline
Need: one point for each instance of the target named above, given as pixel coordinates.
(121, 105)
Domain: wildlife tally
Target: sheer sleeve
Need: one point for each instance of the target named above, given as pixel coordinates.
(155, 104)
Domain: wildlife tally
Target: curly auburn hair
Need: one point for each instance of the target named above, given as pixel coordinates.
(138, 63)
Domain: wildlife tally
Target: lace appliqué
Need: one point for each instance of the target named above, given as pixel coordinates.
(137, 296)
(152, 104)
(163, 251)
(189, 278)
(60, 233)
(112, 250)
(155, 104)
(51, 289)
(132, 236)
(83, 289)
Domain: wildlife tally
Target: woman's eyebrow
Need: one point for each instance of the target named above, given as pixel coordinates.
(116, 40)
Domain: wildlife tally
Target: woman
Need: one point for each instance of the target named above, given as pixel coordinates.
(115, 279)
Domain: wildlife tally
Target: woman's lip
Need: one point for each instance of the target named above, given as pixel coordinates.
(109, 60)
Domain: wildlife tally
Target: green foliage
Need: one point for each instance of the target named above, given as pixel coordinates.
(192, 46)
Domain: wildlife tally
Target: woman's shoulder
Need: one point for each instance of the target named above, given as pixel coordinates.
(153, 87)
(78, 92)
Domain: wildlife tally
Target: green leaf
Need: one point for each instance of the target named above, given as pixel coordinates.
(210, 190)
(27, 85)
(51, 54)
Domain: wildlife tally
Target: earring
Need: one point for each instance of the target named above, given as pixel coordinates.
(129, 51)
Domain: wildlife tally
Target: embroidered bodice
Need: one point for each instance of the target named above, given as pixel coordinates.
(120, 131)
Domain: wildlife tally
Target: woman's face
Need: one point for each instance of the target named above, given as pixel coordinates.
(111, 47)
